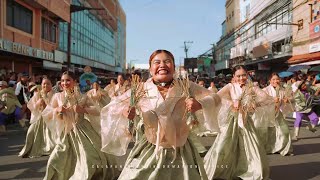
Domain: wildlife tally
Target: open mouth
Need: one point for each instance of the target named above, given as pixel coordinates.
(162, 72)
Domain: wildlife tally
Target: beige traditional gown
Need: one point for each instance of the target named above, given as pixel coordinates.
(115, 90)
(39, 140)
(100, 97)
(164, 151)
(237, 151)
(279, 140)
(77, 154)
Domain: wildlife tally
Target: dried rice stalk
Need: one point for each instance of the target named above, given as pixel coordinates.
(72, 97)
(184, 84)
(288, 94)
(247, 100)
(137, 93)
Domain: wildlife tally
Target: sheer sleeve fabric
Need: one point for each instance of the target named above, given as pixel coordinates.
(114, 126)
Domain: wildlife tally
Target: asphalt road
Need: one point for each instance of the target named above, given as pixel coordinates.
(304, 165)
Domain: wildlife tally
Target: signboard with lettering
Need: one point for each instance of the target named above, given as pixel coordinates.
(314, 34)
(236, 61)
(190, 63)
(18, 48)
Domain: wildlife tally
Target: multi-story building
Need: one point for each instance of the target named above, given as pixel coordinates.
(268, 42)
(29, 33)
(34, 35)
(306, 37)
(97, 36)
(261, 40)
(226, 42)
(232, 15)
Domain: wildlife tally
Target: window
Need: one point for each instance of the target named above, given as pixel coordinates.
(48, 30)
(247, 11)
(274, 22)
(19, 16)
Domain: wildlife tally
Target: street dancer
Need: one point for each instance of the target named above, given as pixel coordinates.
(165, 150)
(77, 154)
(303, 107)
(237, 151)
(279, 139)
(39, 140)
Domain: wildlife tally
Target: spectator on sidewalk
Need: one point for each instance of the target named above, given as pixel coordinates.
(10, 105)
(21, 92)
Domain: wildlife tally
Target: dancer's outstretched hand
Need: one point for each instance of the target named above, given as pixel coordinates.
(193, 105)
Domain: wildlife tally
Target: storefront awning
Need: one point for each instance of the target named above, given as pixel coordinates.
(273, 59)
(52, 66)
(305, 58)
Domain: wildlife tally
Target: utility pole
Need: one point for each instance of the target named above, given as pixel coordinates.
(187, 48)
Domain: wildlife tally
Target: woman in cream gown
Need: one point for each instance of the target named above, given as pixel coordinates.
(39, 141)
(77, 154)
(237, 151)
(164, 151)
(279, 139)
(98, 95)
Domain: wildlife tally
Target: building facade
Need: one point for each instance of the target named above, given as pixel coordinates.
(29, 33)
(306, 37)
(232, 15)
(97, 36)
(261, 40)
(35, 32)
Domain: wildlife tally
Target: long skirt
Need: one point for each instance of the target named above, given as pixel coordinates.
(77, 156)
(237, 152)
(39, 141)
(279, 139)
(142, 163)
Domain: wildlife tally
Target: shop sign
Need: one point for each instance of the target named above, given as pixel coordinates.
(314, 47)
(236, 61)
(18, 48)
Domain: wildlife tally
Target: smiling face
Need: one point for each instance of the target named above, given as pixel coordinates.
(46, 85)
(240, 76)
(162, 68)
(275, 81)
(120, 79)
(67, 82)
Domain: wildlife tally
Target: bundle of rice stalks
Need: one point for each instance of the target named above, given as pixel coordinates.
(137, 93)
(288, 94)
(280, 98)
(184, 84)
(247, 100)
(72, 97)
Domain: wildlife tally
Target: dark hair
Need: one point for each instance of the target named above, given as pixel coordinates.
(45, 78)
(274, 74)
(301, 83)
(158, 52)
(121, 76)
(70, 74)
(237, 67)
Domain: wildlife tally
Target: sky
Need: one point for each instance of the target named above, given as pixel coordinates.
(166, 24)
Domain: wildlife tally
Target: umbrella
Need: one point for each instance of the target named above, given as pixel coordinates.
(87, 76)
(297, 68)
(285, 74)
(316, 68)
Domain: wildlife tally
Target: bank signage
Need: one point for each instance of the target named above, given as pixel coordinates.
(18, 48)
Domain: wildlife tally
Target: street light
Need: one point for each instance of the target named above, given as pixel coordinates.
(74, 8)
